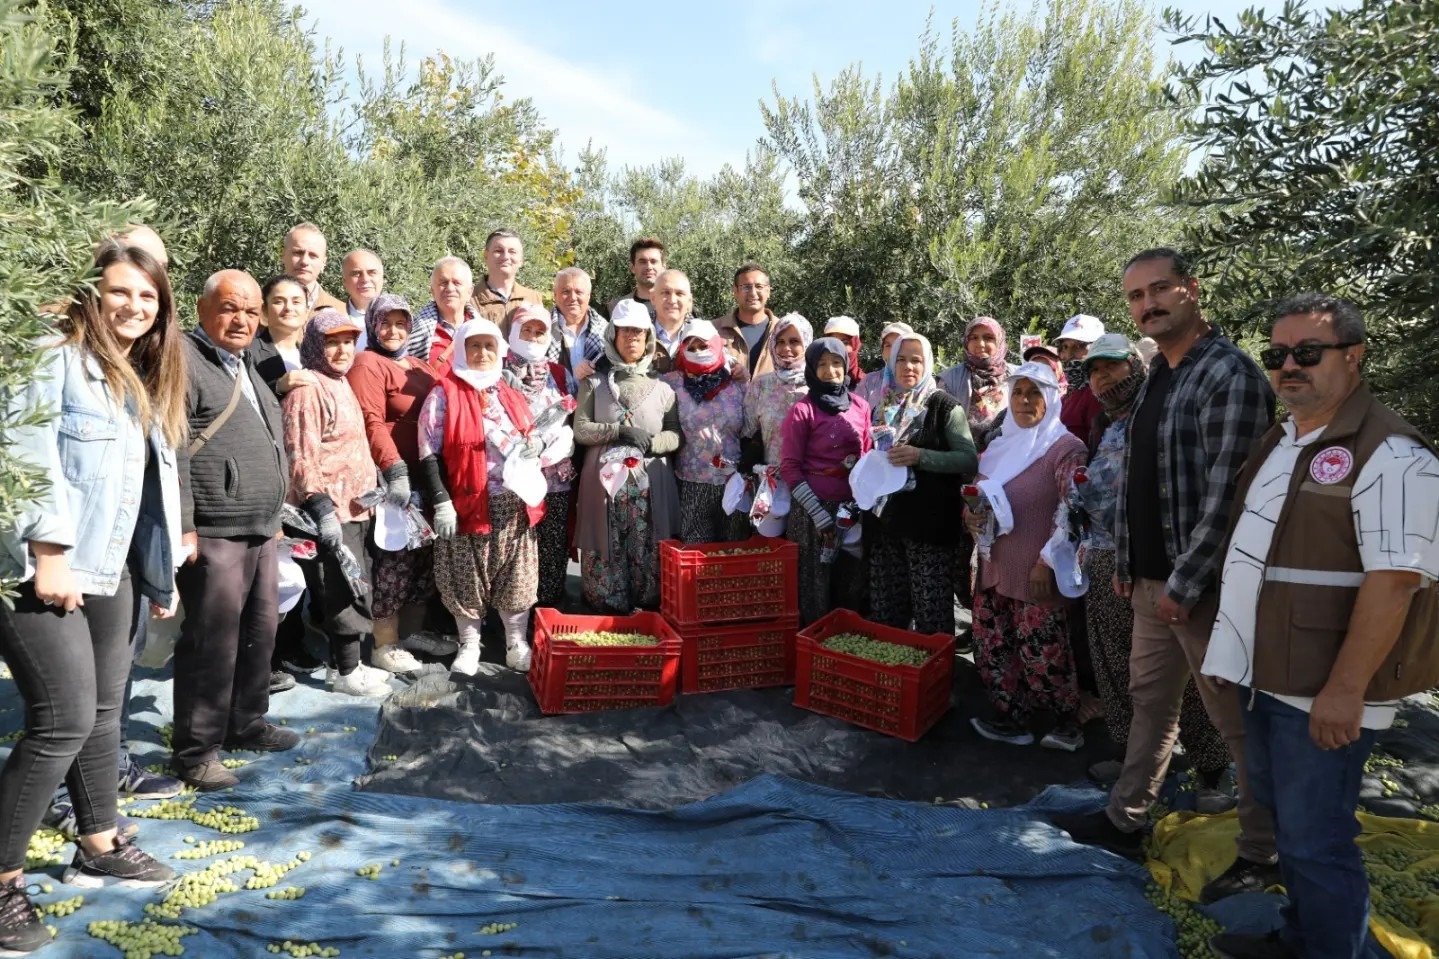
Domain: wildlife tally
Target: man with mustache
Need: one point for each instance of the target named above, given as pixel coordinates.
(1202, 407)
(1328, 614)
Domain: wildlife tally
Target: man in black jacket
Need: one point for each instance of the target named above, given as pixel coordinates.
(233, 479)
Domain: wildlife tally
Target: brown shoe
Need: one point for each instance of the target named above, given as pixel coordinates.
(207, 777)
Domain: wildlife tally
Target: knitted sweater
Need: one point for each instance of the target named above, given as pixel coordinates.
(235, 484)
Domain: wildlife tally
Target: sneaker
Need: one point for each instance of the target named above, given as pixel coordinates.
(517, 657)
(393, 659)
(431, 643)
(1244, 876)
(270, 739)
(61, 818)
(1106, 772)
(1096, 829)
(467, 660)
(207, 777)
(1066, 736)
(22, 928)
(1247, 945)
(362, 682)
(126, 864)
(1212, 802)
(300, 661)
(138, 783)
(281, 681)
(1002, 731)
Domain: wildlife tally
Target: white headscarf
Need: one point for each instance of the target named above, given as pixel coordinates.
(1018, 447)
(460, 363)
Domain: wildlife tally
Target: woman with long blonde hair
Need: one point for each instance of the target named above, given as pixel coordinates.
(100, 422)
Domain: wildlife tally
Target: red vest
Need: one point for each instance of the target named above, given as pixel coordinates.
(466, 462)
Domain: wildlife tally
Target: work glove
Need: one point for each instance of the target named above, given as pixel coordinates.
(397, 485)
(330, 536)
(446, 523)
(636, 437)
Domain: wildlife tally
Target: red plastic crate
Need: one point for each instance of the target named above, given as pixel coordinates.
(745, 656)
(903, 701)
(568, 678)
(698, 587)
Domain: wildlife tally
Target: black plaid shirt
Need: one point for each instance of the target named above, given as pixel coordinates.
(1219, 403)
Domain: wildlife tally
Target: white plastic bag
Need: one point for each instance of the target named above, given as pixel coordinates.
(618, 465)
(392, 528)
(523, 477)
(737, 497)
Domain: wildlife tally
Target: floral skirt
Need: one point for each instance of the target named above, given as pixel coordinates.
(1111, 637)
(702, 515)
(495, 570)
(1022, 654)
(403, 578)
(630, 578)
(554, 535)
(913, 582)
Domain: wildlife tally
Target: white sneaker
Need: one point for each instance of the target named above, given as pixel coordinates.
(517, 657)
(393, 659)
(467, 660)
(364, 681)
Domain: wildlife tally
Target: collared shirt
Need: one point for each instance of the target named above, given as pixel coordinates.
(1219, 404)
(1395, 502)
(362, 338)
(234, 365)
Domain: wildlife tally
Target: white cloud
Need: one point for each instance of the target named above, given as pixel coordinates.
(584, 103)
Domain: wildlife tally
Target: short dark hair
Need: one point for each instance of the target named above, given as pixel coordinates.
(1348, 321)
(1178, 261)
(502, 235)
(275, 281)
(646, 243)
(749, 268)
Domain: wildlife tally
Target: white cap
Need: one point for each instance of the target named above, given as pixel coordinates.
(844, 325)
(703, 329)
(1083, 328)
(633, 314)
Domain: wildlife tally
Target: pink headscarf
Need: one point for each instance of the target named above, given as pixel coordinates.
(992, 368)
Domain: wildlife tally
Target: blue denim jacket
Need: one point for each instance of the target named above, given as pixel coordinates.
(101, 500)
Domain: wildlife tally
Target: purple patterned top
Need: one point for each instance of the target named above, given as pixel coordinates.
(710, 429)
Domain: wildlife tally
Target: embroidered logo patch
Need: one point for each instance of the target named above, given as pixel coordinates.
(1331, 465)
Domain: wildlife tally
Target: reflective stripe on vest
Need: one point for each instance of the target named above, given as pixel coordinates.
(1312, 577)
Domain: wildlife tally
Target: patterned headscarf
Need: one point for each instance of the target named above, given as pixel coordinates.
(986, 370)
(794, 372)
(830, 397)
(709, 372)
(1118, 398)
(533, 373)
(899, 407)
(322, 325)
(380, 308)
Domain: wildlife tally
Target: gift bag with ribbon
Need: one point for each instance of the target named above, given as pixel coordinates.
(619, 465)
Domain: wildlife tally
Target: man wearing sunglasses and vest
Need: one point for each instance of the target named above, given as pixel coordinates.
(1328, 614)
(1200, 411)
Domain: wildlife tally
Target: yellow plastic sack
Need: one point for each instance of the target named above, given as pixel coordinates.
(1401, 856)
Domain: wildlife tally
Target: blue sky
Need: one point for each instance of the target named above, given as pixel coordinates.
(649, 81)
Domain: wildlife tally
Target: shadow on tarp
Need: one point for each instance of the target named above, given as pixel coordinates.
(486, 741)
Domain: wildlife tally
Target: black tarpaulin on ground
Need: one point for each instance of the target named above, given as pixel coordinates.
(486, 741)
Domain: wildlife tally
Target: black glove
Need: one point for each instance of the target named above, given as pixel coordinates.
(751, 454)
(322, 510)
(636, 437)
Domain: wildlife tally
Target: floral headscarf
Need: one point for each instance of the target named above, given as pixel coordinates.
(322, 325)
(793, 373)
(986, 375)
(379, 308)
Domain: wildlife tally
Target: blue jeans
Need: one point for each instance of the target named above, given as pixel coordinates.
(1312, 793)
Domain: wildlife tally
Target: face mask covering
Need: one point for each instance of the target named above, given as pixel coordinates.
(531, 351)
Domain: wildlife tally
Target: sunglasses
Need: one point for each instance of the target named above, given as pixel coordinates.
(1309, 354)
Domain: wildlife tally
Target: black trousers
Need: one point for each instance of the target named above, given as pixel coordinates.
(231, 594)
(71, 670)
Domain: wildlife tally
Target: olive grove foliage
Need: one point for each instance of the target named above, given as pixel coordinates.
(1320, 132)
(1009, 171)
(47, 230)
(237, 125)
